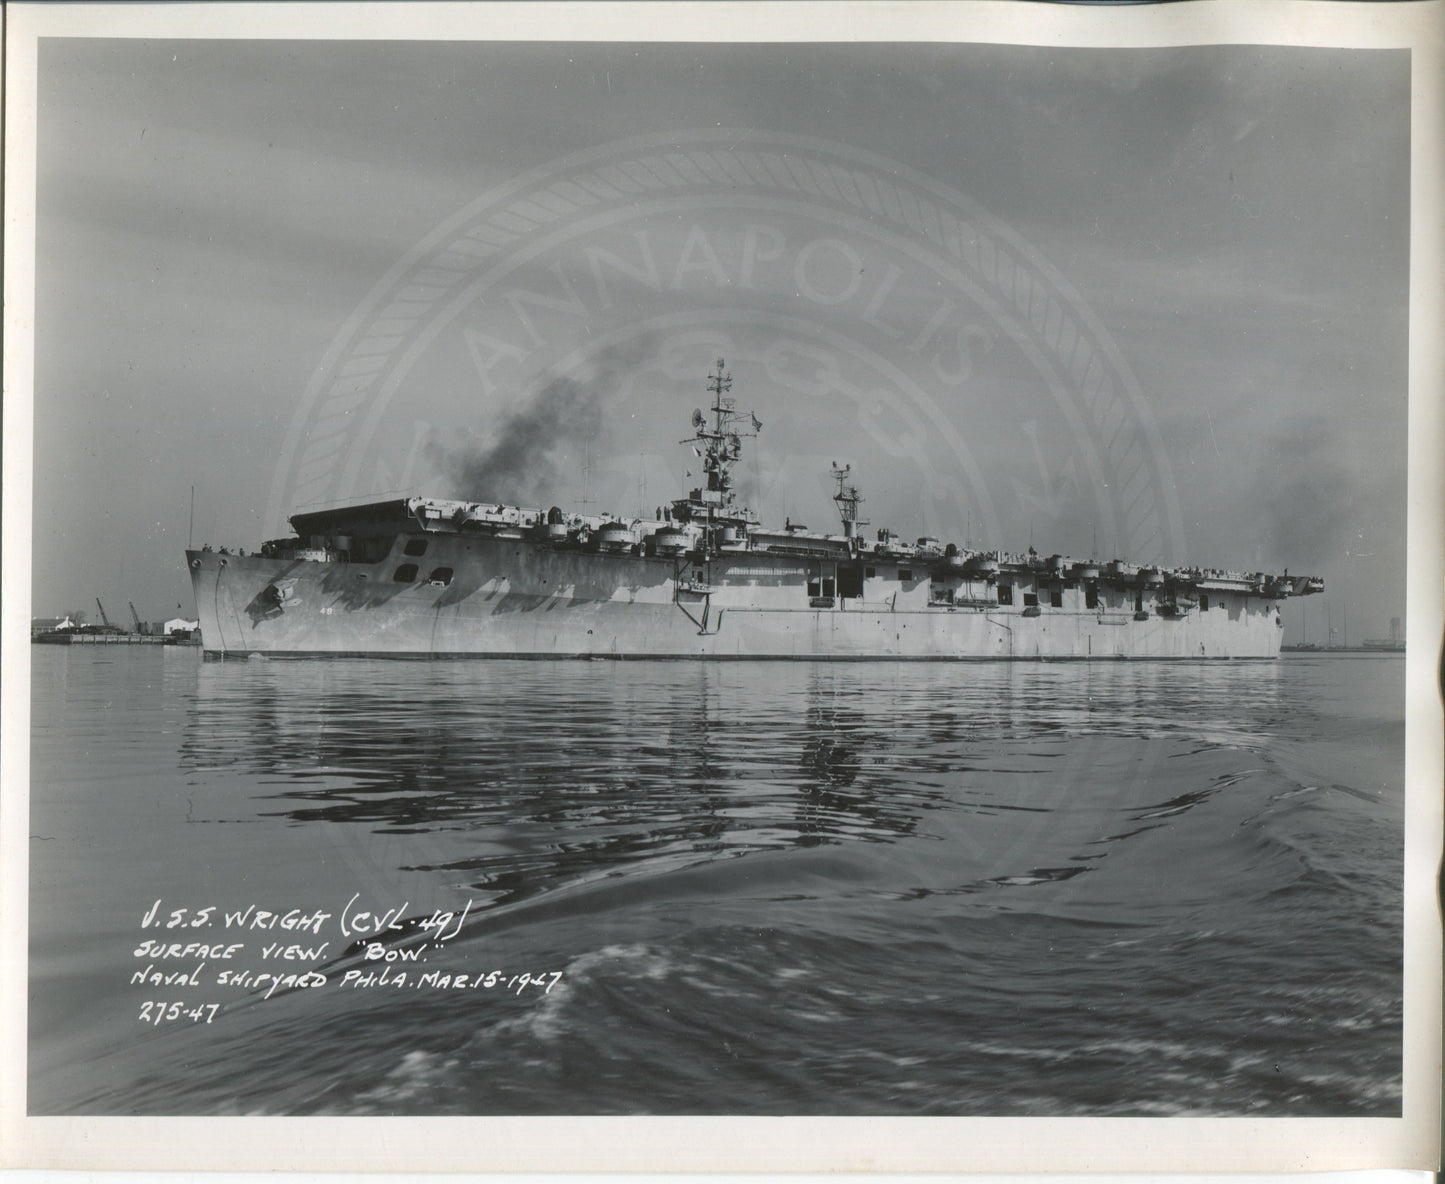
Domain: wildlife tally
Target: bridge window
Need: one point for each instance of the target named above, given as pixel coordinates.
(1139, 601)
(1091, 596)
(870, 572)
(1005, 593)
(1031, 600)
(1203, 603)
(416, 546)
(405, 574)
(905, 573)
(1056, 597)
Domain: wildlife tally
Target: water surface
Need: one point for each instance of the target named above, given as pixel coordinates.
(769, 888)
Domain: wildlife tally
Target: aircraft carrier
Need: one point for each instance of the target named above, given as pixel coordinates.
(425, 577)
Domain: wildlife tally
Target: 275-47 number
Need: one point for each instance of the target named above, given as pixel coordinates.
(152, 1012)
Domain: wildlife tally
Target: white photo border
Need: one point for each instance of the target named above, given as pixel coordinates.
(729, 1144)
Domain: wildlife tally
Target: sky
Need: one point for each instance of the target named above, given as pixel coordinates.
(227, 229)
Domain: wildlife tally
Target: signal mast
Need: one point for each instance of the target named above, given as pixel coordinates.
(719, 444)
(848, 499)
(722, 440)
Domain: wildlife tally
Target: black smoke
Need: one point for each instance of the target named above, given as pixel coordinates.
(535, 453)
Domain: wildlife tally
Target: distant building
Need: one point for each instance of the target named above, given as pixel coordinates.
(1396, 642)
(50, 624)
(180, 625)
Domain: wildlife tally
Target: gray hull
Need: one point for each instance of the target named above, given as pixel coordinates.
(498, 597)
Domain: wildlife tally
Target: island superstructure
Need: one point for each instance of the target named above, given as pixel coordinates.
(430, 578)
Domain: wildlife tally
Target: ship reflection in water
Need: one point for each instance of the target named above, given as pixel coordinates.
(769, 888)
(594, 768)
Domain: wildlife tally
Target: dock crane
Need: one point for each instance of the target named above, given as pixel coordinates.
(135, 616)
(104, 620)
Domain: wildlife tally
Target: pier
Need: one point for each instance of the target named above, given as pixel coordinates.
(111, 639)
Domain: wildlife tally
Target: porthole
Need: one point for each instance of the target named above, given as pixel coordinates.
(405, 574)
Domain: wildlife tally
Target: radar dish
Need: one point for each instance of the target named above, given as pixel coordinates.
(697, 419)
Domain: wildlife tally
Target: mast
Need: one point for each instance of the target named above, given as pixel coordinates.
(719, 443)
(848, 499)
(586, 474)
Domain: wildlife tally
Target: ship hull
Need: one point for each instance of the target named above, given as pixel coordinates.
(518, 598)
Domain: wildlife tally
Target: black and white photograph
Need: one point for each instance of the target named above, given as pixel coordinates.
(653, 562)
